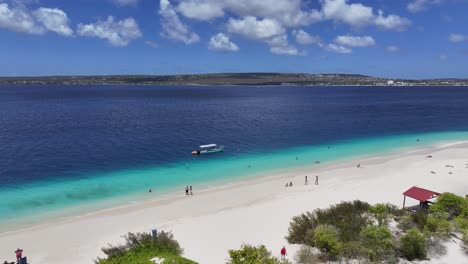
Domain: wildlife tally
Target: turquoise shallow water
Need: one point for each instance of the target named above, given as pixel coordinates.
(96, 191)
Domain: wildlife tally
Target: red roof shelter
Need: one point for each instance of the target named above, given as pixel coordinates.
(419, 194)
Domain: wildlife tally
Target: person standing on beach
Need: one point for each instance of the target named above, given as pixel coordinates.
(316, 180)
(191, 193)
(186, 190)
(19, 254)
(283, 252)
(306, 181)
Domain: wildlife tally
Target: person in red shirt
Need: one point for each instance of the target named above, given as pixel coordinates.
(19, 254)
(283, 253)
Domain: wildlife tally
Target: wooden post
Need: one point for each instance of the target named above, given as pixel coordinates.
(404, 200)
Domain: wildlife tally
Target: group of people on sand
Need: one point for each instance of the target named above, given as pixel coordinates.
(306, 181)
(188, 190)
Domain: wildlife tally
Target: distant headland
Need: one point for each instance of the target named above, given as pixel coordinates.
(232, 79)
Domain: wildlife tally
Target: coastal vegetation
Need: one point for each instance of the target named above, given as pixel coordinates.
(140, 248)
(249, 254)
(378, 233)
(343, 232)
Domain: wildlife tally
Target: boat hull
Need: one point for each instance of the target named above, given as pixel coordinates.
(208, 151)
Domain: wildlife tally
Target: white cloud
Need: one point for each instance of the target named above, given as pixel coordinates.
(173, 28)
(255, 29)
(353, 14)
(284, 50)
(337, 48)
(54, 20)
(200, 10)
(117, 33)
(291, 13)
(457, 37)
(359, 15)
(288, 12)
(268, 20)
(392, 48)
(221, 42)
(20, 19)
(268, 30)
(355, 41)
(443, 57)
(151, 44)
(126, 2)
(420, 5)
(392, 22)
(280, 45)
(305, 38)
(301, 18)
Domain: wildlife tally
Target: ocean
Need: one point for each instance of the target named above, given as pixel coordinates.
(83, 148)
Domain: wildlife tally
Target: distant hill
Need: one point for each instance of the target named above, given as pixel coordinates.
(228, 79)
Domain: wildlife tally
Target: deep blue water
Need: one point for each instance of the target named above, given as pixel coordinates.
(55, 134)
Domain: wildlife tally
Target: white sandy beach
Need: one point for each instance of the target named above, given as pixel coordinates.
(257, 211)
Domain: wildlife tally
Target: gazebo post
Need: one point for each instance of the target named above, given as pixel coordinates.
(404, 200)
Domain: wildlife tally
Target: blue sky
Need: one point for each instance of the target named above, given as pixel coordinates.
(397, 38)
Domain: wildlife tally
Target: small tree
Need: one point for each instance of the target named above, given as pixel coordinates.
(327, 241)
(449, 205)
(253, 255)
(299, 228)
(437, 227)
(377, 242)
(413, 245)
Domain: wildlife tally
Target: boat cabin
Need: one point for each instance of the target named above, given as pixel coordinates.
(208, 147)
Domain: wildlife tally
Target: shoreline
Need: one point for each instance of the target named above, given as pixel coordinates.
(258, 201)
(138, 201)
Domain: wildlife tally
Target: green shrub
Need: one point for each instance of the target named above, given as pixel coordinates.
(437, 227)
(381, 213)
(300, 228)
(461, 222)
(413, 245)
(305, 255)
(171, 259)
(253, 255)
(139, 248)
(384, 211)
(352, 250)
(326, 240)
(449, 205)
(419, 219)
(348, 217)
(406, 222)
(377, 242)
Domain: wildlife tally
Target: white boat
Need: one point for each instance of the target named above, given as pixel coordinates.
(206, 149)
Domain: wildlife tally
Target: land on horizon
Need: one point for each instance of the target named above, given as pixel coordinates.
(266, 78)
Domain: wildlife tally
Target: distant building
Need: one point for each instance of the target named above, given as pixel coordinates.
(390, 82)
